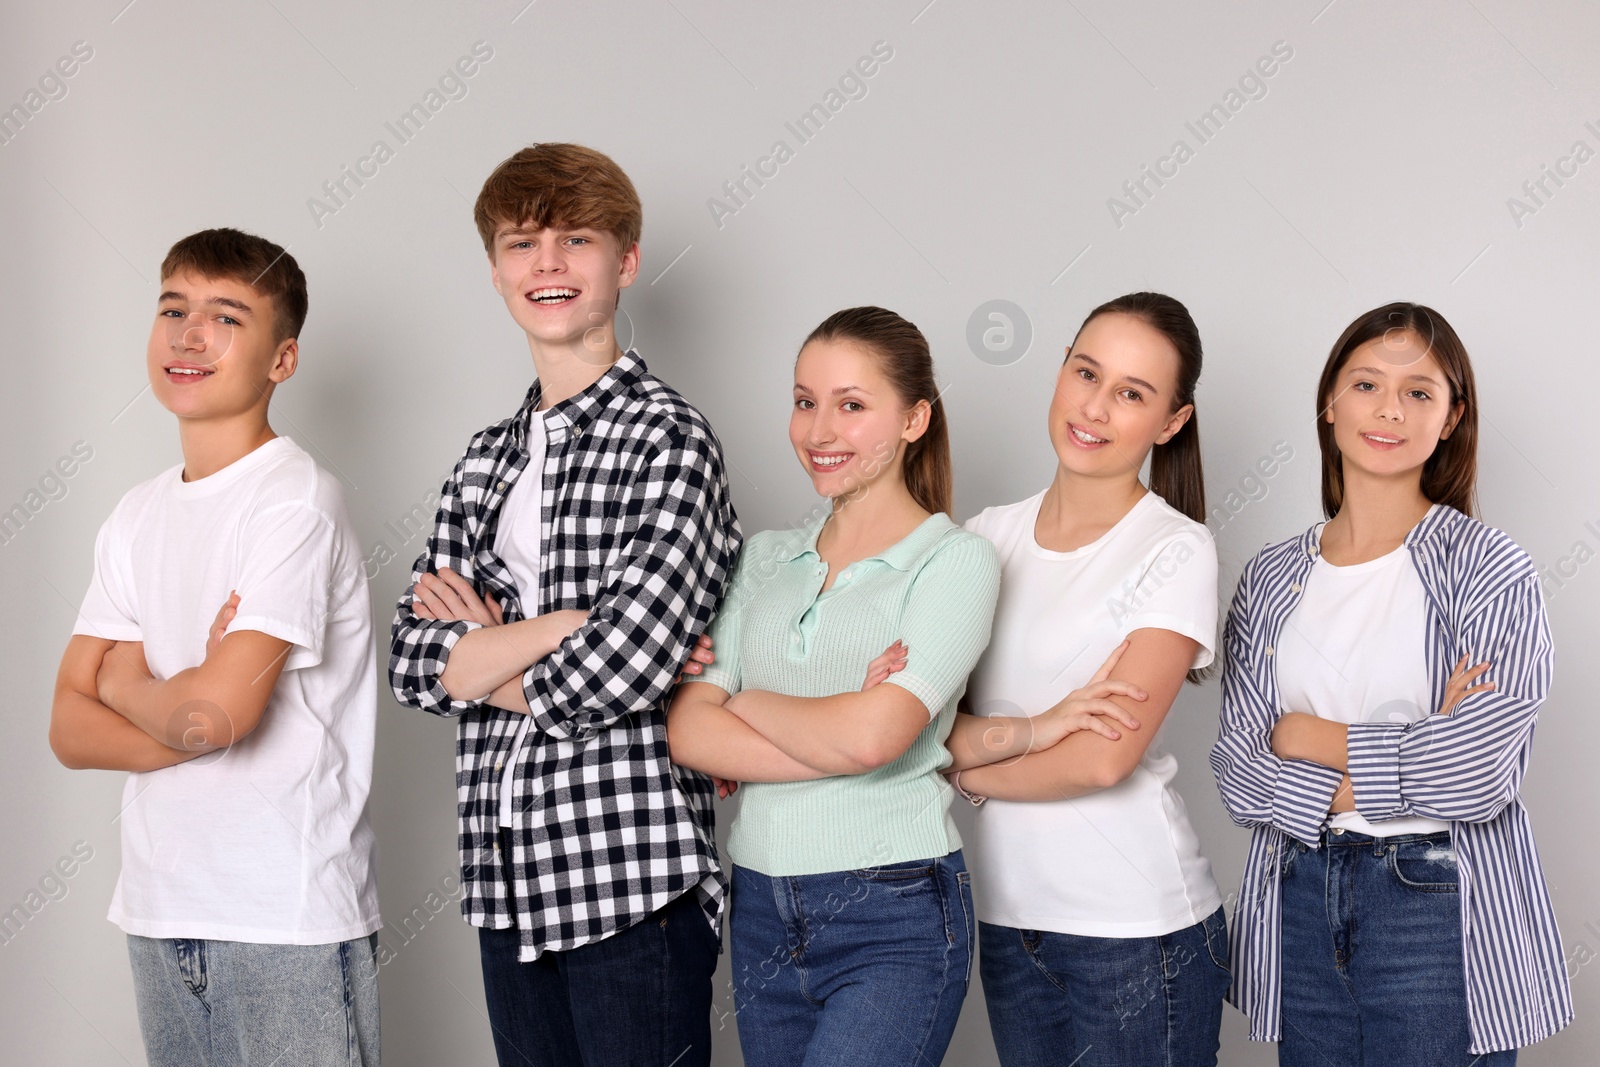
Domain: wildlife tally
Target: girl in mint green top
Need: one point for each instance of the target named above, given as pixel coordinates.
(841, 651)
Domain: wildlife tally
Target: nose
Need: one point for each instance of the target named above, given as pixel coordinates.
(549, 259)
(1094, 405)
(190, 334)
(1388, 407)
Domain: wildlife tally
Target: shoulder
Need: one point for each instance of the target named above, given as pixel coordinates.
(653, 413)
(953, 549)
(1271, 568)
(1471, 555)
(994, 523)
(1165, 529)
(138, 502)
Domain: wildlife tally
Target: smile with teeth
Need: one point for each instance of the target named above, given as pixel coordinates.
(1382, 439)
(1085, 437)
(552, 295)
(828, 460)
(189, 373)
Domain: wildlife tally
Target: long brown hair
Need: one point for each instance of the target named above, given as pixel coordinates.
(1450, 475)
(903, 355)
(1176, 473)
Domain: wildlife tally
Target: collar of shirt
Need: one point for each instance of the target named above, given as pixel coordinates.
(902, 555)
(575, 413)
(1436, 519)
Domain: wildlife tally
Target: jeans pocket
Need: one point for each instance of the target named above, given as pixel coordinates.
(1215, 928)
(896, 872)
(964, 891)
(1427, 865)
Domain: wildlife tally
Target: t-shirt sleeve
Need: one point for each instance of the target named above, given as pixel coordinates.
(725, 629)
(945, 625)
(1177, 591)
(108, 610)
(287, 584)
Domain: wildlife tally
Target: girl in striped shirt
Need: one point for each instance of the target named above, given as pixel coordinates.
(1382, 675)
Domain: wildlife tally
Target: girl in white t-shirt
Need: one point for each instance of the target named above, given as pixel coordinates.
(1102, 933)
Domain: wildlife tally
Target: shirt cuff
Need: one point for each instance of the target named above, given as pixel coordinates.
(1300, 802)
(443, 635)
(1373, 753)
(923, 691)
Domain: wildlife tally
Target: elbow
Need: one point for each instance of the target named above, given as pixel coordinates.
(66, 753)
(871, 753)
(1109, 772)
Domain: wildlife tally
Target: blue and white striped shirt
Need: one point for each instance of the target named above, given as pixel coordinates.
(1465, 768)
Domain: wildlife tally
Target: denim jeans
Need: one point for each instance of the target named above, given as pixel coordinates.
(854, 967)
(1059, 999)
(639, 998)
(231, 1003)
(1372, 964)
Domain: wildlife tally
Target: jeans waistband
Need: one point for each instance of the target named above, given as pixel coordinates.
(1332, 837)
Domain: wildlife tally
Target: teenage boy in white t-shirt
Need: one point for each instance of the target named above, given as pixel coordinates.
(224, 654)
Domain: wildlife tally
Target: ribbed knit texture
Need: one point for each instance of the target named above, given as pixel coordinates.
(935, 590)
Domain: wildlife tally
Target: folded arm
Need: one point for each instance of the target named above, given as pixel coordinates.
(1155, 662)
(84, 733)
(203, 708)
(705, 736)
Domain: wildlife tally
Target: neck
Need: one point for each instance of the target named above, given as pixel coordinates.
(565, 370)
(212, 444)
(872, 519)
(1077, 505)
(1376, 512)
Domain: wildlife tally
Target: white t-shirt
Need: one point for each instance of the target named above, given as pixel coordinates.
(519, 542)
(1355, 650)
(1124, 861)
(266, 841)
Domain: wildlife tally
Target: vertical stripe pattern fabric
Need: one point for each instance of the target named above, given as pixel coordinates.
(1466, 768)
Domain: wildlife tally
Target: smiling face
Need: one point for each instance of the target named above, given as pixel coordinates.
(1390, 406)
(212, 351)
(1114, 397)
(561, 284)
(849, 427)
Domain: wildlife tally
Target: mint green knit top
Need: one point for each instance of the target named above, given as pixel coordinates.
(777, 631)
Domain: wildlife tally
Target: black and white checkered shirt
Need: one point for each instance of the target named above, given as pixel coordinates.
(639, 531)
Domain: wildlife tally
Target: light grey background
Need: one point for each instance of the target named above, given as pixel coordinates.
(978, 166)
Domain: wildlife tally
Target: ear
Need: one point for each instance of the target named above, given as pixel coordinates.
(1454, 420)
(285, 361)
(917, 420)
(1174, 424)
(629, 268)
(494, 274)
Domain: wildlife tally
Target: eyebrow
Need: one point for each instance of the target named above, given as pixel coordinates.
(222, 301)
(1379, 372)
(1140, 382)
(837, 392)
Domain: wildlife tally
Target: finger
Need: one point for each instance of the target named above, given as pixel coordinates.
(702, 654)
(1117, 712)
(1119, 688)
(1110, 664)
(462, 587)
(705, 641)
(1104, 728)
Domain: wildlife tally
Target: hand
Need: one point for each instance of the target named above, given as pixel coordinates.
(1088, 708)
(889, 661)
(448, 597)
(226, 615)
(725, 787)
(122, 666)
(1460, 685)
(698, 655)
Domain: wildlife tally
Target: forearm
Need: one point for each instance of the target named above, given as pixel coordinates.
(509, 696)
(1057, 773)
(839, 734)
(184, 711)
(87, 735)
(1306, 737)
(705, 736)
(486, 658)
(977, 741)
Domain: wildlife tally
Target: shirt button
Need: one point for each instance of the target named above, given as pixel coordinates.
(794, 639)
(1269, 650)
(498, 764)
(1295, 588)
(500, 487)
(1338, 829)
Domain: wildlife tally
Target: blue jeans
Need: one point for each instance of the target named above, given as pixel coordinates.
(639, 998)
(1372, 964)
(1058, 999)
(227, 1003)
(854, 967)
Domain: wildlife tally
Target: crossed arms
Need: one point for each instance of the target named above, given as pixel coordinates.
(109, 712)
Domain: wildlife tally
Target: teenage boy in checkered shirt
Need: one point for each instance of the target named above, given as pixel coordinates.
(580, 550)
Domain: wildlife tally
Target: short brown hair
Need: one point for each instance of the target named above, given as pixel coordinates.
(559, 185)
(1450, 476)
(248, 259)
